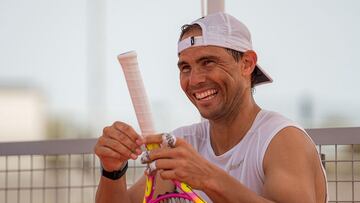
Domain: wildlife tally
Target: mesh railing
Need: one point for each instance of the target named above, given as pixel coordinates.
(340, 151)
(54, 171)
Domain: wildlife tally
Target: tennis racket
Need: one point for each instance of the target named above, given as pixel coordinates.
(141, 105)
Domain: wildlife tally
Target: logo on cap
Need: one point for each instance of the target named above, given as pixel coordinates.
(192, 40)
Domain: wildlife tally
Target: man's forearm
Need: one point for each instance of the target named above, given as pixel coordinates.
(224, 188)
(112, 191)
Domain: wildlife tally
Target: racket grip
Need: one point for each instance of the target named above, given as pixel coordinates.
(129, 64)
(130, 67)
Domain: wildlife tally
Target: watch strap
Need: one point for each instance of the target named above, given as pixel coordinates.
(114, 175)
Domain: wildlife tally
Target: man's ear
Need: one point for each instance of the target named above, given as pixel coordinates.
(250, 59)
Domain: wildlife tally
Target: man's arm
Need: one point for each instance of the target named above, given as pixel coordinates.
(292, 171)
(116, 191)
(116, 146)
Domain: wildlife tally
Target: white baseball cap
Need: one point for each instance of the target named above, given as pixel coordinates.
(224, 30)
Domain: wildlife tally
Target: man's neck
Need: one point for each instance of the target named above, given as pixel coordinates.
(225, 134)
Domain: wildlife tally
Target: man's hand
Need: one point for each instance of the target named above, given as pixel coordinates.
(181, 162)
(118, 144)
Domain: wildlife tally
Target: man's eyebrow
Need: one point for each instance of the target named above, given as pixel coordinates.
(180, 63)
(199, 60)
(207, 57)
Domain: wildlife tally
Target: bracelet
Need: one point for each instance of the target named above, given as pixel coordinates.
(114, 175)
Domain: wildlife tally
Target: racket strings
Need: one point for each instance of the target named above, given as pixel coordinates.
(172, 197)
(175, 200)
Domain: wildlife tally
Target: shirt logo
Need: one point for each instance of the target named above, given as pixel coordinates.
(235, 166)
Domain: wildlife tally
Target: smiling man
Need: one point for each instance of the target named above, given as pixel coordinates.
(240, 153)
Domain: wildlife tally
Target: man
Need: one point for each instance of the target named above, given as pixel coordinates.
(241, 153)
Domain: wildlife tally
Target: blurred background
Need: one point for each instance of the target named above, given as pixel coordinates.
(60, 79)
(59, 76)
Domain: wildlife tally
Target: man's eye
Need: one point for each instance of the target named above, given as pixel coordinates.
(208, 62)
(185, 69)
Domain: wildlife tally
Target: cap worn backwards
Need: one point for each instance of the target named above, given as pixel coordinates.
(224, 30)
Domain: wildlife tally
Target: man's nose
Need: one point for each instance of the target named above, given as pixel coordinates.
(197, 76)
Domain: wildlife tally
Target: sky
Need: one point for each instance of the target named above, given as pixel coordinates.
(67, 50)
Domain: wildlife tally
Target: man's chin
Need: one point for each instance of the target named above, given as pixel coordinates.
(206, 115)
(209, 112)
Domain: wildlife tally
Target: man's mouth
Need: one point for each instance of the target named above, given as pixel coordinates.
(205, 95)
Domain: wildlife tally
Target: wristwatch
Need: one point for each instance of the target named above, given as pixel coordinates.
(114, 175)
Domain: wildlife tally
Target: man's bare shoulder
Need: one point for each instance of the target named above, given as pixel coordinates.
(290, 144)
(292, 160)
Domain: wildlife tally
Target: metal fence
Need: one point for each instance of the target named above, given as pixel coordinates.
(52, 171)
(340, 150)
(68, 171)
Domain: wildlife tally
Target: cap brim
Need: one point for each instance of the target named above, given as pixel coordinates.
(261, 76)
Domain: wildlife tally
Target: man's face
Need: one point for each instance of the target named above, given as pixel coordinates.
(211, 79)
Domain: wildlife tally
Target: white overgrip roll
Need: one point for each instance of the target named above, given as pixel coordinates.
(137, 91)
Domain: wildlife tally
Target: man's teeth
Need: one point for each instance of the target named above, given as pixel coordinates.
(208, 94)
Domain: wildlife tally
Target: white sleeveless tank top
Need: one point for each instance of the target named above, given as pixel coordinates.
(245, 160)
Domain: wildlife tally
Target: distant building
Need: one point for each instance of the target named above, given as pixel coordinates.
(22, 114)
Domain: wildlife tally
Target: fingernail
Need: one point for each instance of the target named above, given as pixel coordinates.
(138, 151)
(145, 157)
(139, 142)
(134, 156)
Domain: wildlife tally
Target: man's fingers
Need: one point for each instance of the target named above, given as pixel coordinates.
(163, 164)
(172, 169)
(120, 148)
(167, 153)
(124, 139)
(164, 153)
(167, 139)
(127, 130)
(102, 151)
(153, 139)
(168, 175)
(166, 164)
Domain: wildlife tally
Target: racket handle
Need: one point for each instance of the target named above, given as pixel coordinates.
(130, 67)
(137, 92)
